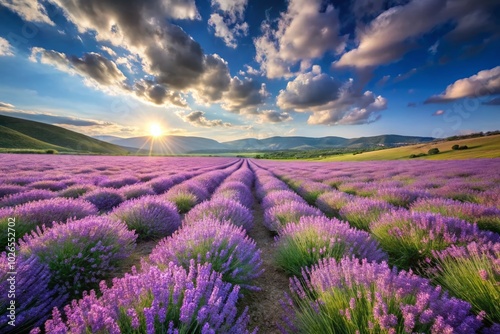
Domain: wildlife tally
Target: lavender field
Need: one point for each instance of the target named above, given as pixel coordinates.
(98, 244)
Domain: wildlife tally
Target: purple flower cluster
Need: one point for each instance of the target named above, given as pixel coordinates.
(157, 301)
(472, 273)
(105, 199)
(81, 252)
(370, 297)
(221, 209)
(310, 190)
(313, 238)
(162, 184)
(226, 246)
(236, 190)
(276, 217)
(410, 237)
(278, 197)
(136, 191)
(25, 197)
(75, 191)
(9, 189)
(150, 216)
(118, 182)
(332, 201)
(400, 196)
(361, 212)
(485, 217)
(30, 215)
(48, 185)
(34, 295)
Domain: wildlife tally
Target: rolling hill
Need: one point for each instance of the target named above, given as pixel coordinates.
(482, 147)
(17, 133)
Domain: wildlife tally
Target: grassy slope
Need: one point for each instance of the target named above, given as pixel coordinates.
(12, 139)
(482, 147)
(58, 136)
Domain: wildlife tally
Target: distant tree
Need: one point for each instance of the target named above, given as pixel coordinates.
(433, 151)
(464, 147)
(455, 147)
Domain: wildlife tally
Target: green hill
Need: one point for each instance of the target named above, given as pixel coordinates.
(21, 134)
(481, 147)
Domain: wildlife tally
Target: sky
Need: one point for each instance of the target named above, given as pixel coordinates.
(230, 69)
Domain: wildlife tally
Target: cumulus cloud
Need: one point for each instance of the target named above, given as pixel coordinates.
(244, 96)
(157, 94)
(227, 20)
(29, 10)
(484, 83)
(108, 50)
(392, 33)
(330, 101)
(5, 48)
(92, 66)
(274, 116)
(197, 118)
(302, 33)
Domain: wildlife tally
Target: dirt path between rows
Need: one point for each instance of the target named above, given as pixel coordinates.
(264, 306)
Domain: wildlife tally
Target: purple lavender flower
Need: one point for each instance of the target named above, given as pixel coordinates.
(227, 247)
(119, 182)
(170, 301)
(150, 217)
(278, 197)
(313, 238)
(82, 252)
(350, 295)
(485, 217)
(277, 217)
(10, 189)
(136, 191)
(361, 212)
(105, 199)
(48, 185)
(332, 201)
(472, 273)
(25, 197)
(161, 185)
(34, 296)
(239, 191)
(76, 191)
(400, 196)
(30, 215)
(310, 190)
(410, 237)
(221, 209)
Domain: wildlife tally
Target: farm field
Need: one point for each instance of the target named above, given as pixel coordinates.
(97, 244)
(483, 147)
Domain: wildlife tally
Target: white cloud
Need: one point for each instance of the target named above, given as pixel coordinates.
(388, 37)
(227, 20)
(329, 101)
(197, 118)
(302, 33)
(274, 116)
(244, 96)
(5, 48)
(484, 83)
(29, 10)
(108, 50)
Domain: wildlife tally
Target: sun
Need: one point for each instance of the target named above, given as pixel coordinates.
(155, 130)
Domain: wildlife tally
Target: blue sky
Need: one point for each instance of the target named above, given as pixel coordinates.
(231, 69)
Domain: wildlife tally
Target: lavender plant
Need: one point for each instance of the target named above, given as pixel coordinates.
(10, 189)
(25, 197)
(30, 215)
(136, 191)
(399, 196)
(472, 273)
(277, 217)
(150, 216)
(353, 296)
(277, 197)
(172, 300)
(410, 237)
(80, 253)
(34, 295)
(361, 212)
(487, 218)
(75, 191)
(48, 185)
(105, 199)
(221, 209)
(227, 247)
(314, 238)
(332, 201)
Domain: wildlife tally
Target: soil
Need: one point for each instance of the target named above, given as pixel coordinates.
(264, 306)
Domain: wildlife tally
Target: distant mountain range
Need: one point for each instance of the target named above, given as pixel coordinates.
(184, 144)
(21, 134)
